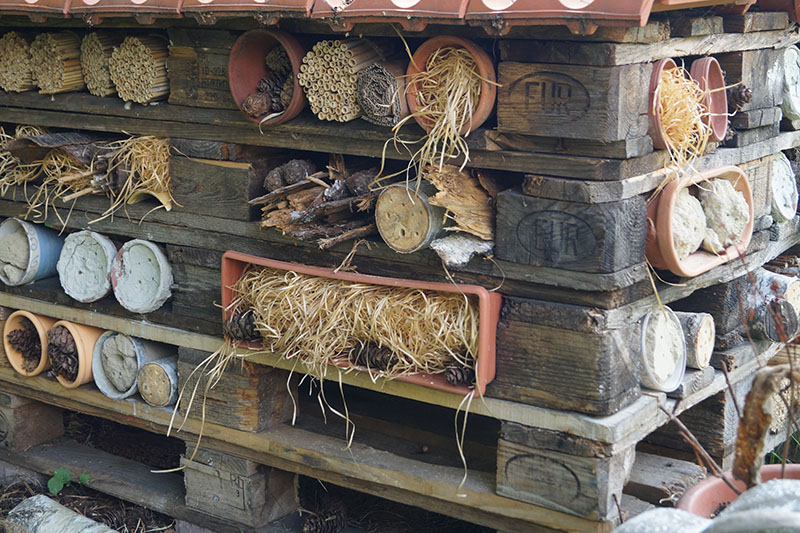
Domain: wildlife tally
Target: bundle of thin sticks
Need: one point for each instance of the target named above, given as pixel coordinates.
(55, 60)
(15, 63)
(96, 50)
(138, 69)
(328, 75)
(380, 93)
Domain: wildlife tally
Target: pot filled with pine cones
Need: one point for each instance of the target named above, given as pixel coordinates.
(25, 342)
(262, 75)
(69, 348)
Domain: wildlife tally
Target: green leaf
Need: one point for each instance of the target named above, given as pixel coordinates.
(84, 478)
(63, 475)
(54, 485)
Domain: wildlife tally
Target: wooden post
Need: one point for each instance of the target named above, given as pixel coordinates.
(25, 423)
(237, 489)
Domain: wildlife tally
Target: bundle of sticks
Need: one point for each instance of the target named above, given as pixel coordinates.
(55, 60)
(138, 69)
(328, 75)
(15, 63)
(332, 206)
(96, 50)
(381, 93)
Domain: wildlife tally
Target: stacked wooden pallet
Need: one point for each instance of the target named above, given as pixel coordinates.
(570, 263)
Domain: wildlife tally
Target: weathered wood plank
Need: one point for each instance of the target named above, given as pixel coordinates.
(752, 136)
(26, 423)
(755, 118)
(759, 70)
(693, 381)
(689, 26)
(623, 149)
(658, 479)
(756, 21)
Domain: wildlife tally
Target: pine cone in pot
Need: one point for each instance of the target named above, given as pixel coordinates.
(272, 85)
(26, 341)
(459, 375)
(331, 518)
(63, 353)
(257, 104)
(241, 326)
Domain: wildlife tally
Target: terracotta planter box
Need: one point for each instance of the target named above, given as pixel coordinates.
(234, 264)
(411, 15)
(35, 9)
(268, 11)
(145, 11)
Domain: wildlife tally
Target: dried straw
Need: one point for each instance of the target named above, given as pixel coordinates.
(56, 165)
(15, 63)
(323, 321)
(55, 60)
(12, 171)
(138, 69)
(679, 99)
(96, 50)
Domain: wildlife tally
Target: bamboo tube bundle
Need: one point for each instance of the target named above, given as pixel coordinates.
(329, 76)
(138, 69)
(380, 93)
(96, 49)
(55, 60)
(15, 63)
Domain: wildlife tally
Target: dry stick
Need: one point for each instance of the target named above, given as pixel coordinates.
(724, 369)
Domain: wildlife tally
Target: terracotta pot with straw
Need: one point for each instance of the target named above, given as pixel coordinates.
(27, 364)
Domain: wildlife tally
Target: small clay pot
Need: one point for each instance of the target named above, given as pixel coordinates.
(709, 76)
(42, 325)
(659, 244)
(246, 67)
(705, 498)
(486, 69)
(85, 338)
(656, 130)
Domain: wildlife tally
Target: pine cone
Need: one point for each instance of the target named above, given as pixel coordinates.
(274, 179)
(257, 104)
(459, 375)
(375, 357)
(63, 353)
(27, 343)
(330, 519)
(298, 169)
(277, 60)
(738, 96)
(241, 327)
(272, 85)
(287, 91)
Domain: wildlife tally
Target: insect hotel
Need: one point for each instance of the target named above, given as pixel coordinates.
(380, 265)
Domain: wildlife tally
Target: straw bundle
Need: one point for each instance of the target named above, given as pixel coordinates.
(65, 178)
(15, 63)
(96, 50)
(679, 100)
(12, 171)
(55, 60)
(328, 75)
(138, 69)
(380, 93)
(324, 321)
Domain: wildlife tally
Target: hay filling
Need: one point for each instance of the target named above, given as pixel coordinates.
(679, 99)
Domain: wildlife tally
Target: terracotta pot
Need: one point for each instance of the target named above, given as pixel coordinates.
(660, 248)
(246, 67)
(42, 325)
(709, 76)
(655, 130)
(234, 263)
(85, 338)
(27, 7)
(705, 498)
(486, 69)
(791, 6)
(412, 15)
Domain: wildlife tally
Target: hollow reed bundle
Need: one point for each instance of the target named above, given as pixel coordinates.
(56, 64)
(15, 63)
(380, 93)
(138, 69)
(96, 50)
(325, 321)
(328, 76)
(679, 100)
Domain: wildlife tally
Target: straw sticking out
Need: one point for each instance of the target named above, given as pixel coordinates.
(12, 171)
(56, 165)
(96, 50)
(380, 93)
(138, 69)
(679, 99)
(55, 60)
(328, 75)
(15, 63)
(392, 331)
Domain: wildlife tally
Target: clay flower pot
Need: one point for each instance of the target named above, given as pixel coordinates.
(246, 67)
(234, 264)
(656, 130)
(85, 338)
(709, 76)
(660, 247)
(42, 325)
(705, 498)
(485, 104)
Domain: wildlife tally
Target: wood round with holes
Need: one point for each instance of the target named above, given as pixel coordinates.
(158, 382)
(405, 219)
(699, 332)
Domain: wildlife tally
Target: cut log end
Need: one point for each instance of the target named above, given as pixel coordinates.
(405, 219)
(699, 331)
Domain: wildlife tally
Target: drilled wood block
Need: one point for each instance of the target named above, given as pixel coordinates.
(758, 174)
(574, 236)
(575, 102)
(25, 423)
(237, 489)
(759, 70)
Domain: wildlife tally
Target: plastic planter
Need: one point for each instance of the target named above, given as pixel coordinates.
(141, 276)
(705, 498)
(246, 67)
(709, 76)
(84, 266)
(234, 263)
(145, 352)
(42, 325)
(85, 338)
(485, 104)
(412, 15)
(44, 248)
(660, 248)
